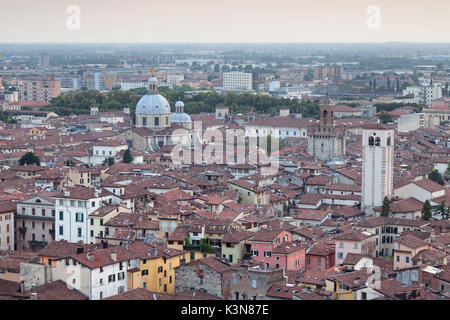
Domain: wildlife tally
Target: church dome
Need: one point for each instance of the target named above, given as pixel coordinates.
(179, 104)
(179, 117)
(153, 104)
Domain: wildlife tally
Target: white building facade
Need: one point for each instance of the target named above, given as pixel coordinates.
(377, 166)
(237, 81)
(72, 212)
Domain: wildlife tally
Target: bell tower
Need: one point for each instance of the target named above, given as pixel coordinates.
(153, 83)
(325, 140)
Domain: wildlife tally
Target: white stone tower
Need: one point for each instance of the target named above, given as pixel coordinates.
(377, 165)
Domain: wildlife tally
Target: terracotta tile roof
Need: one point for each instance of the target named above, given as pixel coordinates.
(354, 279)
(431, 256)
(211, 262)
(12, 263)
(9, 287)
(309, 296)
(104, 210)
(57, 290)
(345, 187)
(282, 292)
(311, 198)
(288, 248)
(179, 234)
(319, 180)
(264, 235)
(8, 206)
(355, 235)
(418, 234)
(391, 287)
(309, 232)
(103, 257)
(237, 236)
(312, 214)
(429, 185)
(406, 205)
(352, 258)
(152, 251)
(321, 249)
(60, 249)
(445, 274)
(82, 193)
(380, 221)
(316, 277)
(276, 224)
(411, 241)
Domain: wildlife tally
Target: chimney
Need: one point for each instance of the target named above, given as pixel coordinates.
(114, 255)
(66, 193)
(22, 286)
(89, 256)
(33, 296)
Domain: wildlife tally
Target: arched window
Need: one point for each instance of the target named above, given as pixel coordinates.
(371, 141)
(321, 148)
(325, 115)
(38, 201)
(388, 141)
(377, 141)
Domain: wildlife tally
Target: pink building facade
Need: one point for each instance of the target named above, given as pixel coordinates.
(354, 243)
(278, 251)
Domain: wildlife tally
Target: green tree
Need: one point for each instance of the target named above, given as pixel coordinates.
(386, 207)
(426, 210)
(109, 161)
(29, 158)
(127, 157)
(69, 163)
(385, 118)
(441, 210)
(436, 177)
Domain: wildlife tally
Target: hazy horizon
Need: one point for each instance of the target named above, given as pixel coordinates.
(220, 21)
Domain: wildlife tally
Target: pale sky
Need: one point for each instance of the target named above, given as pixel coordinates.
(224, 21)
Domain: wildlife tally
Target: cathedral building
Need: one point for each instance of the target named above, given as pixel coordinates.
(157, 126)
(325, 139)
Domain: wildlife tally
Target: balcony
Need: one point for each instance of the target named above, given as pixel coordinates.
(205, 249)
(38, 243)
